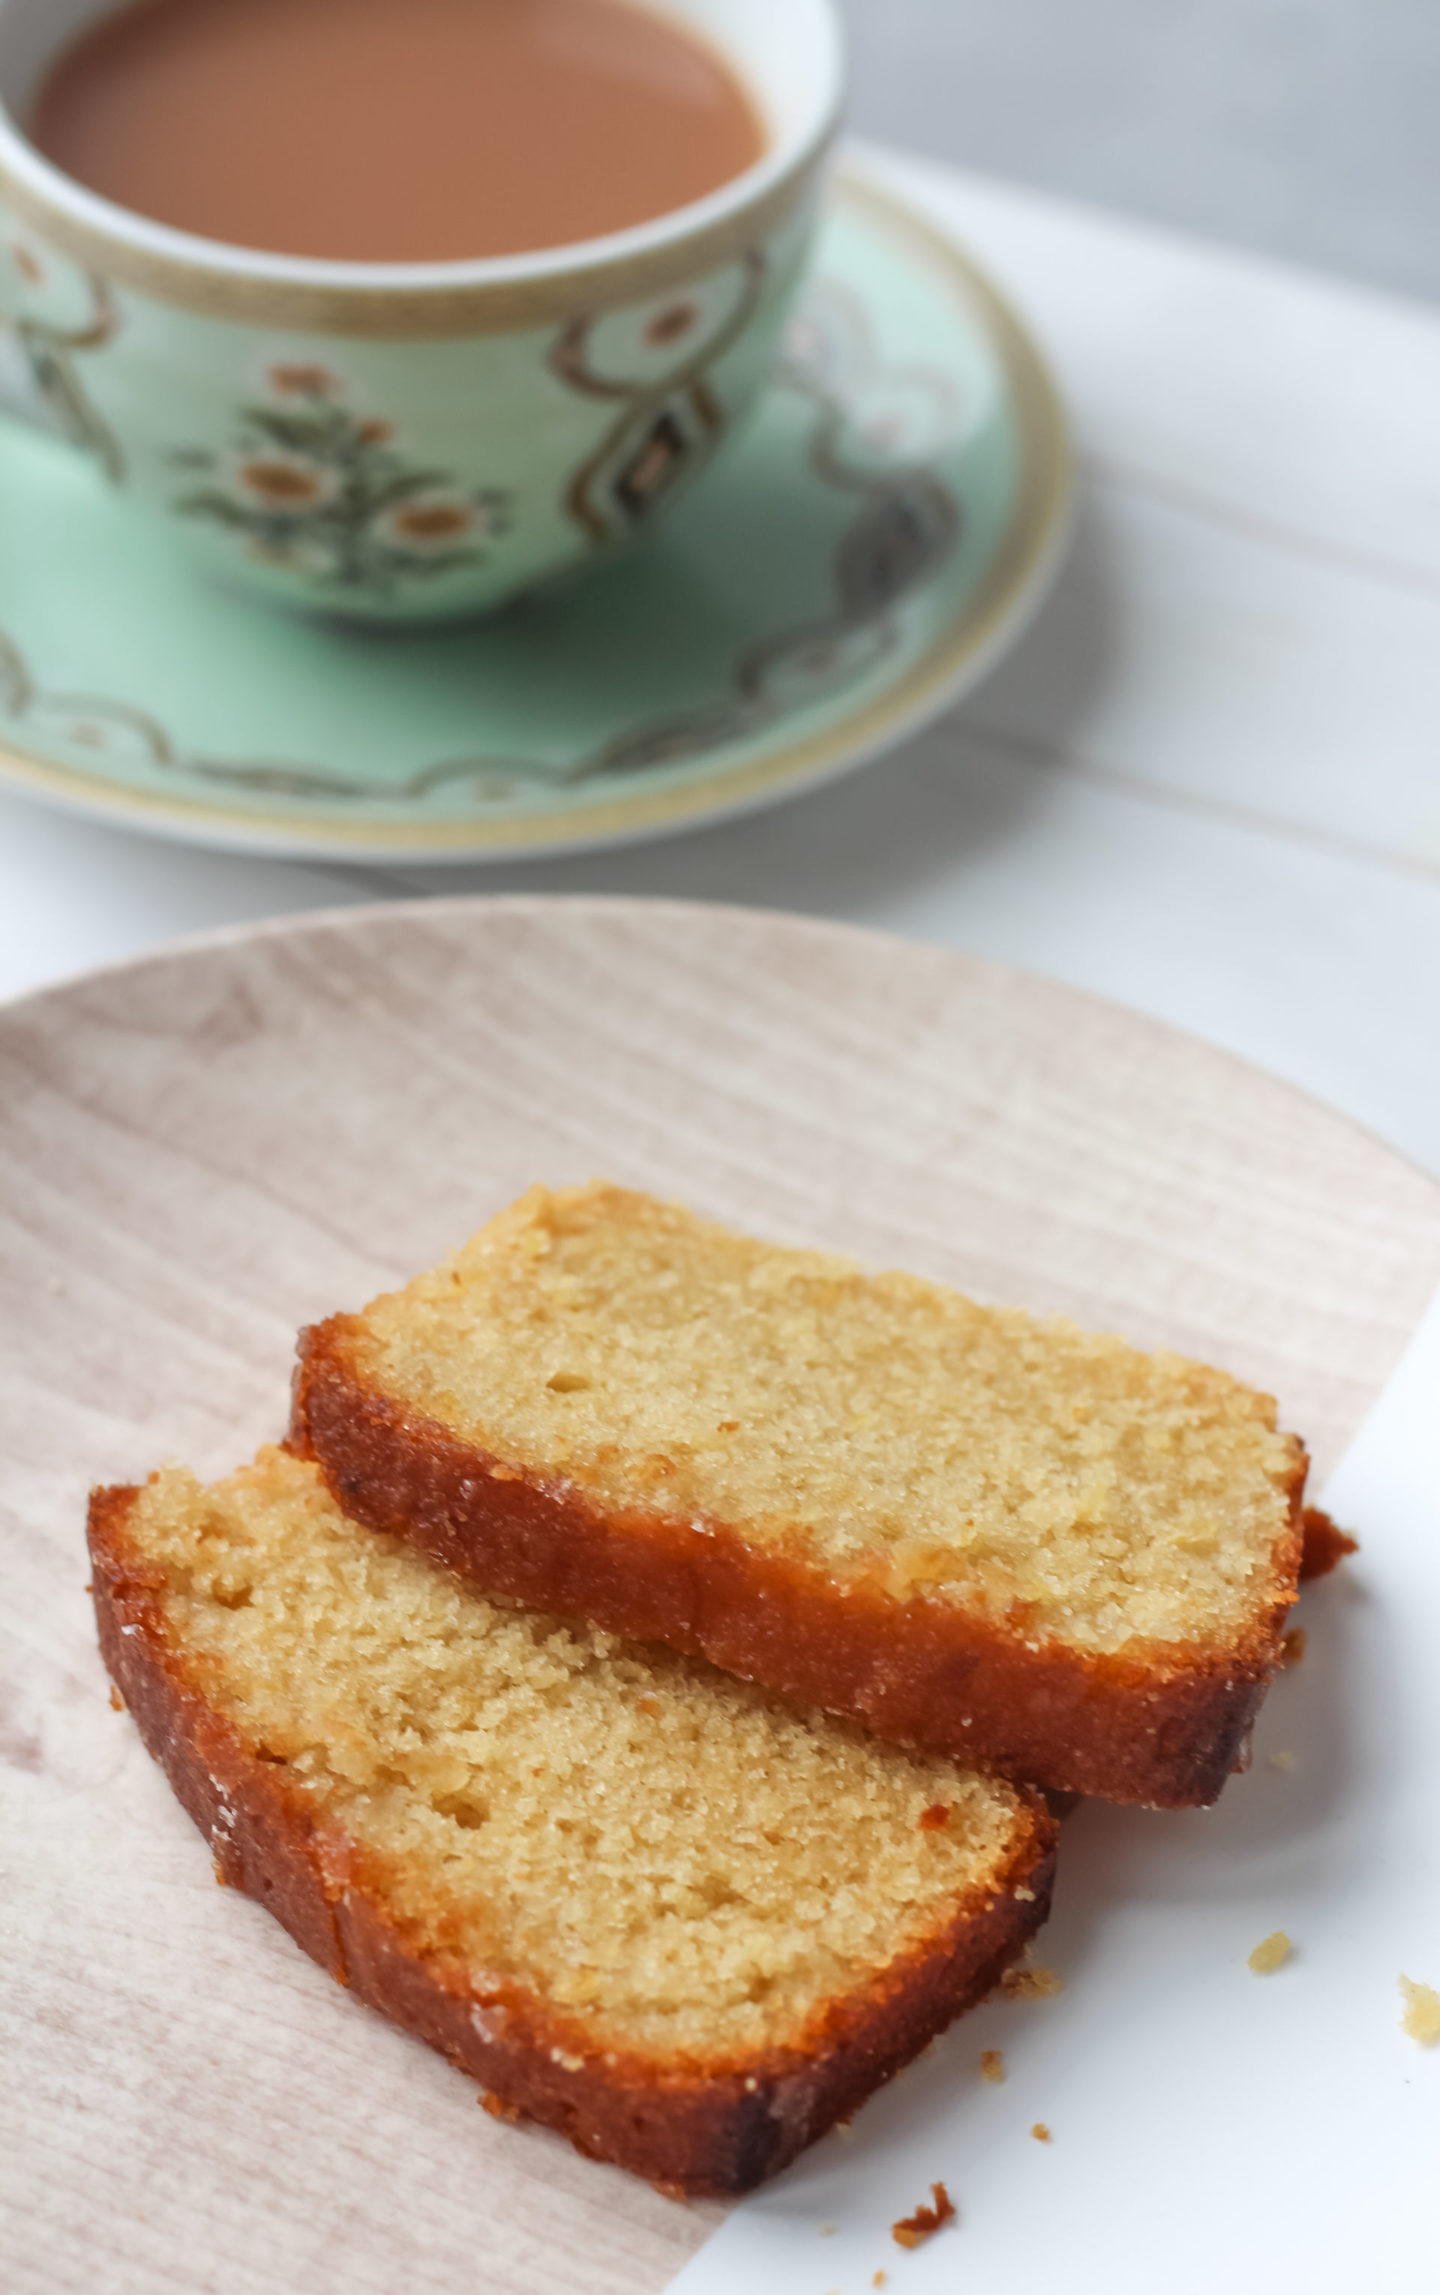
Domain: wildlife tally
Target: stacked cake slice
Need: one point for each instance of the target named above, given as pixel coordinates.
(884, 1563)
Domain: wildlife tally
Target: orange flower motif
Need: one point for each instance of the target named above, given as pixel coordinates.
(430, 523)
(283, 482)
(433, 521)
(302, 381)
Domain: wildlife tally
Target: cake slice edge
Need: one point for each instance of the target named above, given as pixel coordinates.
(1161, 1724)
(689, 2130)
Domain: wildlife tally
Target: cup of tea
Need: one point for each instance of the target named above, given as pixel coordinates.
(394, 309)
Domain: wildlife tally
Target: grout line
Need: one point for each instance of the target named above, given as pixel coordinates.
(1361, 564)
(1052, 757)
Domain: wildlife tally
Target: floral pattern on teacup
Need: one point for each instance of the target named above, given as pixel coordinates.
(312, 487)
(438, 521)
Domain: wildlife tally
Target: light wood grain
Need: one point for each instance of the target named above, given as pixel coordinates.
(204, 1150)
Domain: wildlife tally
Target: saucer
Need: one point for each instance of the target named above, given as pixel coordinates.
(881, 531)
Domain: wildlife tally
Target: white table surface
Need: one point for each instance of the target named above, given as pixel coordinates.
(1208, 782)
(1303, 128)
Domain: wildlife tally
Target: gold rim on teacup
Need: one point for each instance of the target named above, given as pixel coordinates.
(790, 57)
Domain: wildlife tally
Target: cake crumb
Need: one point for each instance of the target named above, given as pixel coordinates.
(935, 1816)
(1292, 1646)
(914, 2230)
(992, 2065)
(1283, 1760)
(878, 2280)
(827, 2231)
(1271, 1953)
(1325, 1545)
(1029, 1982)
(1422, 2012)
(117, 1702)
(1040, 2132)
(498, 2109)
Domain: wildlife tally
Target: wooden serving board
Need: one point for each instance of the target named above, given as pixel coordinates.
(202, 1151)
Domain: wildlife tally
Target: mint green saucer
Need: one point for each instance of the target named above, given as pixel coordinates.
(862, 554)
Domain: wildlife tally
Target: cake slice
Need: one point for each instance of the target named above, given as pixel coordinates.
(999, 1538)
(640, 1901)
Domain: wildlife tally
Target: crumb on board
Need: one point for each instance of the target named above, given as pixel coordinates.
(1040, 2132)
(913, 2230)
(1271, 1953)
(497, 2107)
(1292, 1646)
(1325, 1545)
(992, 2065)
(1282, 1760)
(878, 2280)
(827, 2231)
(1422, 2012)
(1028, 1981)
(934, 1817)
(117, 1702)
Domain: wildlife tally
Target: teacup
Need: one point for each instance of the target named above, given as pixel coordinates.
(401, 442)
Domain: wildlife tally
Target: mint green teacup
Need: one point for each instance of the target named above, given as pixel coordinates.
(400, 442)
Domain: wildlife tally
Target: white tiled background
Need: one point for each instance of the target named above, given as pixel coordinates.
(1208, 783)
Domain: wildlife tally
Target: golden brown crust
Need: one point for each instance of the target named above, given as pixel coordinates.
(1164, 1727)
(702, 2128)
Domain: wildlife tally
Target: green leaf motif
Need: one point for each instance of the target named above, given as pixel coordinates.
(214, 505)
